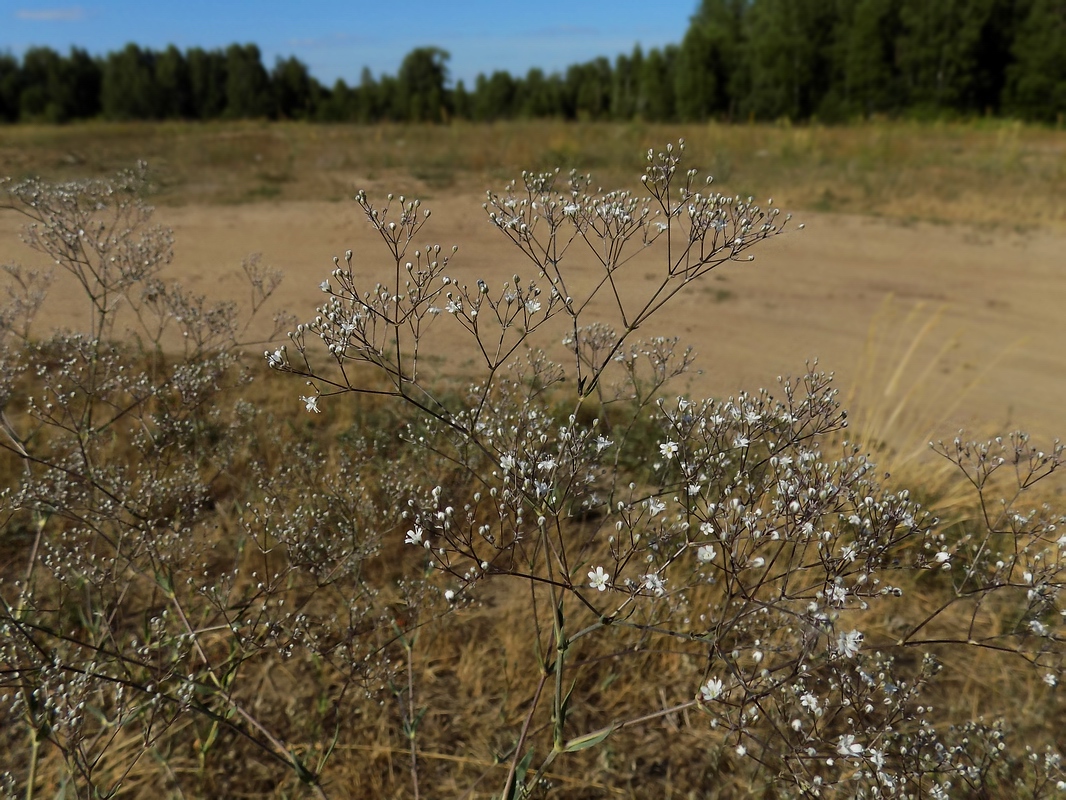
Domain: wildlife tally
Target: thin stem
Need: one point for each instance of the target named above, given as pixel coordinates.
(412, 723)
(35, 751)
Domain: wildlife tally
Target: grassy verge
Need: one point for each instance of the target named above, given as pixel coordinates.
(999, 173)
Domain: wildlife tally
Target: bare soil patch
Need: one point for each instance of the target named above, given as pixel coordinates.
(982, 307)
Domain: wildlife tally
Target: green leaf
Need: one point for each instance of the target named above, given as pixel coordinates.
(588, 740)
(520, 773)
(303, 773)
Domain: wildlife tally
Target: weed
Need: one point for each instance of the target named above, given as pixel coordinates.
(545, 575)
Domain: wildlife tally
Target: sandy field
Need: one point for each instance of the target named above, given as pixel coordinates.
(972, 318)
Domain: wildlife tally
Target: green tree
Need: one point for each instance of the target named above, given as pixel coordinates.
(953, 54)
(789, 53)
(462, 105)
(1036, 81)
(207, 80)
(42, 96)
(871, 79)
(129, 89)
(247, 84)
(655, 100)
(386, 105)
(175, 86)
(537, 95)
(53, 88)
(625, 85)
(590, 84)
(494, 96)
(369, 106)
(10, 87)
(295, 91)
(709, 60)
(338, 104)
(420, 85)
(83, 77)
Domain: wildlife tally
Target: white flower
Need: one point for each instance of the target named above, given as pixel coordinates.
(656, 506)
(598, 579)
(943, 557)
(602, 443)
(741, 750)
(311, 403)
(449, 595)
(276, 360)
(848, 643)
(414, 536)
(848, 746)
(711, 690)
(810, 702)
(654, 584)
(668, 449)
(532, 306)
(706, 554)
(324, 286)
(1050, 679)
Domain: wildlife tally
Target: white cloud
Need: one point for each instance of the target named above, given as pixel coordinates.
(70, 14)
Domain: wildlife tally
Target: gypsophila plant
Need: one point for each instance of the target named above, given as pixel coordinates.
(125, 618)
(549, 575)
(751, 545)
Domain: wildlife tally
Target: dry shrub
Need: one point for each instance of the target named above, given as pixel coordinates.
(549, 579)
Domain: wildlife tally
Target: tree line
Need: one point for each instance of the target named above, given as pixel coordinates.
(830, 60)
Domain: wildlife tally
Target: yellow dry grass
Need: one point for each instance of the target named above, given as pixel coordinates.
(906, 380)
(992, 172)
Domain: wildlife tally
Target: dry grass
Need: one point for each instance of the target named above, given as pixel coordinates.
(466, 669)
(999, 173)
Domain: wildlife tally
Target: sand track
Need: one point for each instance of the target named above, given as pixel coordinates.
(999, 298)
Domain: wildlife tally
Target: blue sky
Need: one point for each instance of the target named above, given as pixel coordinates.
(337, 38)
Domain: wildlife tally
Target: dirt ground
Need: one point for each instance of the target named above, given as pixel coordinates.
(982, 308)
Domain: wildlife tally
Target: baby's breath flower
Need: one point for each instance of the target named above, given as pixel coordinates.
(810, 702)
(668, 449)
(848, 746)
(414, 536)
(598, 579)
(706, 554)
(711, 690)
(311, 403)
(276, 359)
(848, 644)
(654, 584)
